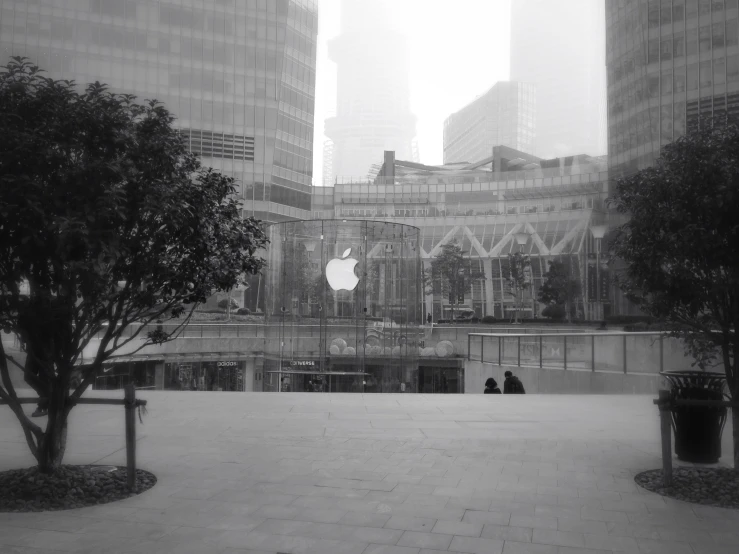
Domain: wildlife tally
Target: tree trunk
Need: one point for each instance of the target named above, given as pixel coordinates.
(54, 441)
(735, 427)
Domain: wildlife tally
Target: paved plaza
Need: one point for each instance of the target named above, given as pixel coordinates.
(374, 474)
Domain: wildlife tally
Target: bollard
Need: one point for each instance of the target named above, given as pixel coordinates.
(130, 407)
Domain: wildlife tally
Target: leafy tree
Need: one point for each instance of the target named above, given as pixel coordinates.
(228, 303)
(452, 271)
(112, 223)
(681, 245)
(519, 277)
(560, 287)
(554, 311)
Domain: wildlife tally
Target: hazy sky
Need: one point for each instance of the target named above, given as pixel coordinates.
(457, 51)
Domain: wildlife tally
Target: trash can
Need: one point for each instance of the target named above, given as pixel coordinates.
(697, 429)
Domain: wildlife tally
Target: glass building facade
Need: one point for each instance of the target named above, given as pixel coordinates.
(504, 115)
(555, 205)
(239, 75)
(343, 307)
(669, 63)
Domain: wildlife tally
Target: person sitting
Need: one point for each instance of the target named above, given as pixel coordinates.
(512, 384)
(491, 386)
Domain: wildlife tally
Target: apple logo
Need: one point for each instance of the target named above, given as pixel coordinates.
(340, 272)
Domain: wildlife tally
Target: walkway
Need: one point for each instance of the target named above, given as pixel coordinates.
(375, 474)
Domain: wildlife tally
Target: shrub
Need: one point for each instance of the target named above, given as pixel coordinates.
(223, 304)
(243, 311)
(554, 311)
(626, 319)
(488, 319)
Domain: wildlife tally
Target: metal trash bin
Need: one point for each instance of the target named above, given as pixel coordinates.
(697, 429)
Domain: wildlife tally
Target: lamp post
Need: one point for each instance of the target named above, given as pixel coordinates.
(598, 231)
(522, 237)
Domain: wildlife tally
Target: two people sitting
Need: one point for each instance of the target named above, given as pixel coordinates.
(512, 385)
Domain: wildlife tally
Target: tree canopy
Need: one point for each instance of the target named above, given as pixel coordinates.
(681, 243)
(518, 278)
(451, 272)
(111, 222)
(560, 286)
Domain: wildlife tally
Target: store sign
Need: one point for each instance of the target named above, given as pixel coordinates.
(300, 364)
(228, 364)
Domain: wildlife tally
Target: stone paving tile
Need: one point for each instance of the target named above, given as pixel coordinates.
(611, 542)
(487, 518)
(409, 523)
(558, 538)
(425, 540)
(476, 545)
(507, 533)
(572, 550)
(536, 522)
(512, 547)
(713, 548)
(650, 546)
(385, 549)
(457, 528)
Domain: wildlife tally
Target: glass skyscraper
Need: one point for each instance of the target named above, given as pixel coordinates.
(503, 116)
(670, 62)
(239, 75)
(566, 62)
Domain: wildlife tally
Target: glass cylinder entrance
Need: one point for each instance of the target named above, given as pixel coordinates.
(343, 307)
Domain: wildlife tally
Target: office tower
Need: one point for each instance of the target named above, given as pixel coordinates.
(560, 47)
(669, 63)
(239, 76)
(503, 116)
(373, 112)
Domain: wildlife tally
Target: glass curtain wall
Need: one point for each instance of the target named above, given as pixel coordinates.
(343, 307)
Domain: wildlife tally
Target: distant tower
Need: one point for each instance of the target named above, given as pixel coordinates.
(560, 48)
(373, 107)
(328, 162)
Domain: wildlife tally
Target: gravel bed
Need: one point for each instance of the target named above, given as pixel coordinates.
(29, 490)
(707, 486)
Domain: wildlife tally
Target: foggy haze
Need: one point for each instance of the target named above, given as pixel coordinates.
(454, 56)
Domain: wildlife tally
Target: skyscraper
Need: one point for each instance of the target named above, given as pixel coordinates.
(373, 108)
(669, 63)
(238, 75)
(503, 116)
(560, 47)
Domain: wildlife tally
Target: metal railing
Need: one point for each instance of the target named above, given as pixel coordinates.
(609, 352)
(257, 330)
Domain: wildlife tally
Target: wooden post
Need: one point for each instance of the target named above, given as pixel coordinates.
(564, 348)
(130, 407)
(666, 432)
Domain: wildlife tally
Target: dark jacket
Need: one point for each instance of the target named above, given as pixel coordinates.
(513, 385)
(491, 387)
